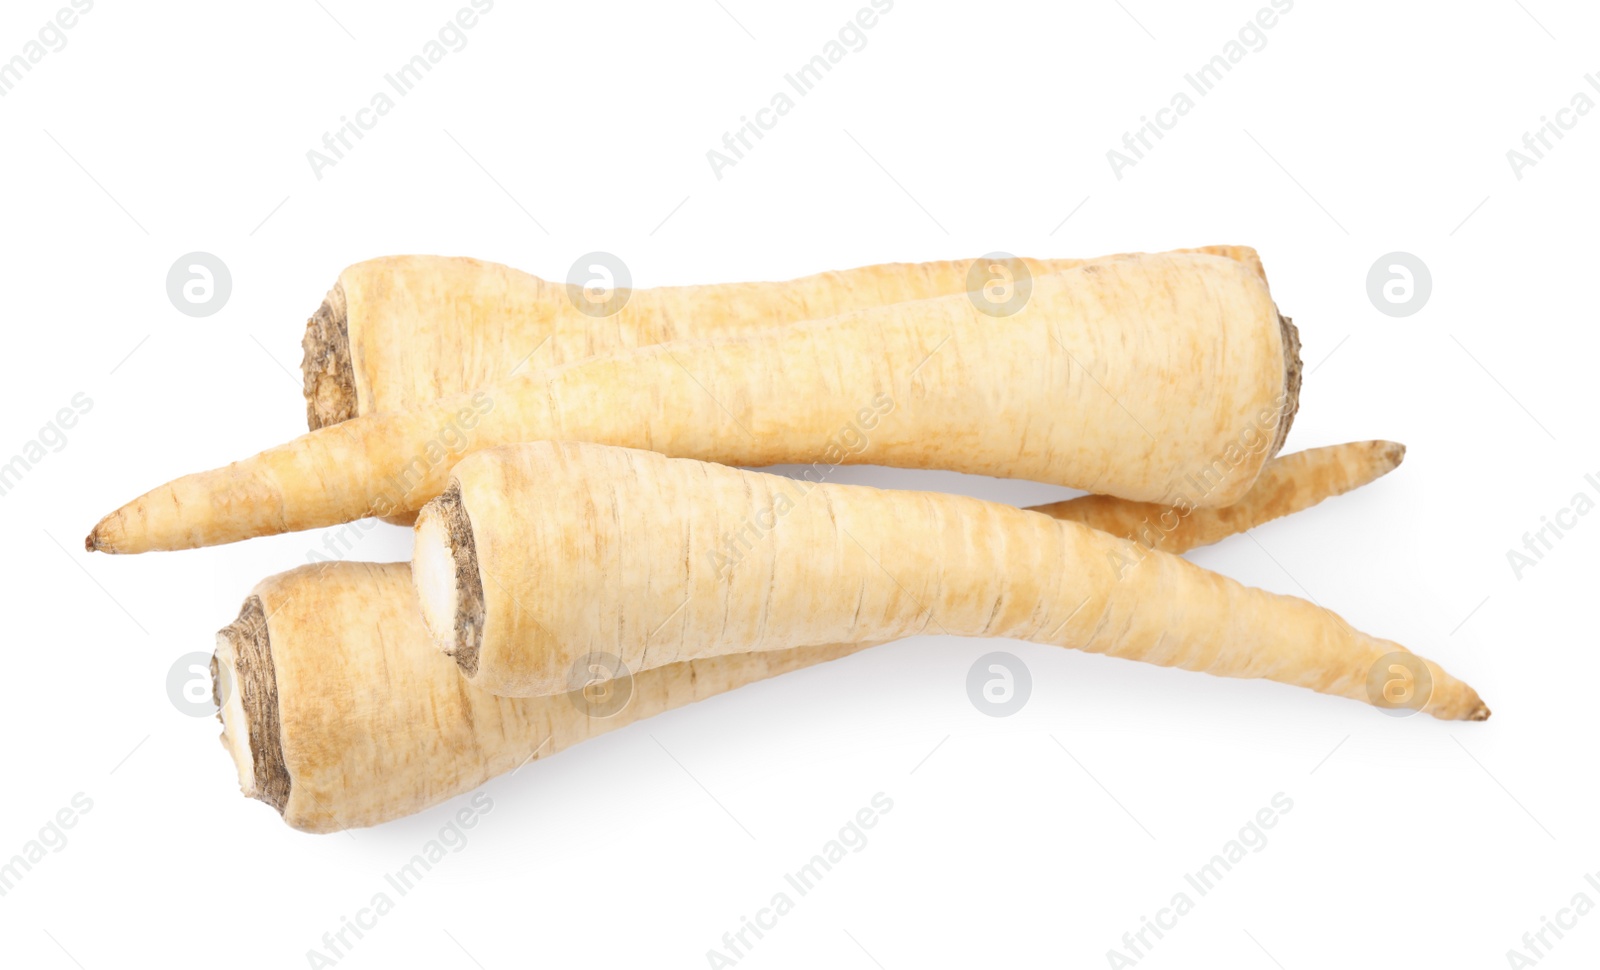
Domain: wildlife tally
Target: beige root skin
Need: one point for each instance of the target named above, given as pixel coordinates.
(371, 724)
(1134, 377)
(401, 331)
(1287, 484)
(429, 327)
(446, 563)
(585, 548)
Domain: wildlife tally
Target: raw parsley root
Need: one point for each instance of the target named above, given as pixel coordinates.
(401, 331)
(542, 553)
(309, 729)
(1151, 378)
(339, 712)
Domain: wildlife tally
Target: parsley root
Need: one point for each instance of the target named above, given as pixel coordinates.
(400, 331)
(1152, 378)
(541, 553)
(339, 712)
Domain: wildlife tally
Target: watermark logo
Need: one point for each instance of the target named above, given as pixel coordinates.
(1399, 284)
(999, 284)
(1537, 944)
(1251, 839)
(1399, 684)
(1542, 140)
(1251, 38)
(599, 284)
(52, 39)
(450, 38)
(190, 687)
(450, 839)
(850, 440)
(851, 38)
(1552, 529)
(999, 684)
(851, 838)
(199, 284)
(51, 438)
(599, 684)
(51, 839)
(453, 441)
(1259, 432)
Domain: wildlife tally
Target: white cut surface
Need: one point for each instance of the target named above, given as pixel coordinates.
(235, 725)
(433, 568)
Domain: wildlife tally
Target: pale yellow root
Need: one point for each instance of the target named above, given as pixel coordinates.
(573, 548)
(401, 331)
(1288, 484)
(1151, 378)
(343, 714)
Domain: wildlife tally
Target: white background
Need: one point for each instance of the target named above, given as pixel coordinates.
(1360, 129)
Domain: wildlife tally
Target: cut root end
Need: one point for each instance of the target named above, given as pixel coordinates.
(326, 369)
(245, 687)
(1293, 374)
(445, 568)
(230, 711)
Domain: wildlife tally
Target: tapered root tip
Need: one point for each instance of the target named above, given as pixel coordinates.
(102, 538)
(110, 535)
(1479, 713)
(1393, 453)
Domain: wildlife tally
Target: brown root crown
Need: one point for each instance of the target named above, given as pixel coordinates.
(257, 684)
(326, 369)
